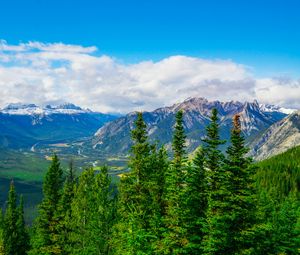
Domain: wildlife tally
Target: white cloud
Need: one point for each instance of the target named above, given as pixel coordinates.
(43, 73)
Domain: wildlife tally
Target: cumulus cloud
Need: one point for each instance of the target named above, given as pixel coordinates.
(43, 73)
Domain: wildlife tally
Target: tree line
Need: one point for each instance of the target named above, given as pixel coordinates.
(209, 203)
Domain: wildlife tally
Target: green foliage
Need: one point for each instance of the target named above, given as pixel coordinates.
(15, 239)
(44, 240)
(2, 251)
(10, 222)
(135, 200)
(22, 244)
(63, 213)
(196, 202)
(175, 234)
(216, 238)
(280, 174)
(278, 182)
(92, 214)
(242, 200)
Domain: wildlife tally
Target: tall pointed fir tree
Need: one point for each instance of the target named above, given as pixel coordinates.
(135, 203)
(216, 238)
(63, 212)
(242, 200)
(10, 234)
(23, 241)
(196, 202)
(159, 164)
(92, 214)
(175, 236)
(44, 240)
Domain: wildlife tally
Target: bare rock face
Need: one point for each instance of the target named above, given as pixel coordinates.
(114, 137)
(278, 138)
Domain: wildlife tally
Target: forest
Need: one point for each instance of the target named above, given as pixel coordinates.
(211, 202)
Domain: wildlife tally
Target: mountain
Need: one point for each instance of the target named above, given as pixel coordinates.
(114, 137)
(23, 125)
(279, 137)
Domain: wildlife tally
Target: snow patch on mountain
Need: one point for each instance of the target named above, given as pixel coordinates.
(275, 108)
(32, 109)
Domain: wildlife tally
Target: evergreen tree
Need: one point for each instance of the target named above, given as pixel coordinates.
(279, 228)
(10, 234)
(175, 236)
(22, 245)
(216, 238)
(93, 214)
(196, 202)
(179, 137)
(242, 200)
(44, 240)
(135, 202)
(2, 251)
(63, 214)
(156, 184)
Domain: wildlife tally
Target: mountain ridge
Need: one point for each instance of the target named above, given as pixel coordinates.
(115, 136)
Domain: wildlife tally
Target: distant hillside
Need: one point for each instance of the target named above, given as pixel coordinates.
(280, 174)
(278, 138)
(114, 137)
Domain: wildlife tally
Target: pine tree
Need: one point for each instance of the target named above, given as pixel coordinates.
(175, 236)
(22, 245)
(216, 238)
(10, 234)
(44, 240)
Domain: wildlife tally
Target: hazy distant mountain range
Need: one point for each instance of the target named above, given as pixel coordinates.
(22, 125)
(268, 128)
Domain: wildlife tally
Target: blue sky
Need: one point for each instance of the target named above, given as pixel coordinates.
(262, 34)
(124, 55)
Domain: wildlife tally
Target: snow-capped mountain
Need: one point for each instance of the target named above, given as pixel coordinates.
(275, 108)
(22, 125)
(32, 109)
(114, 137)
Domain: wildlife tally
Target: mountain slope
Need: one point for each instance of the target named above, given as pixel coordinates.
(21, 126)
(114, 137)
(280, 137)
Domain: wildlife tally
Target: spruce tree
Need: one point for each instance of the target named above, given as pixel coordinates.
(23, 241)
(2, 251)
(242, 200)
(81, 209)
(93, 214)
(135, 201)
(63, 213)
(156, 185)
(44, 240)
(10, 234)
(216, 238)
(196, 202)
(175, 236)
